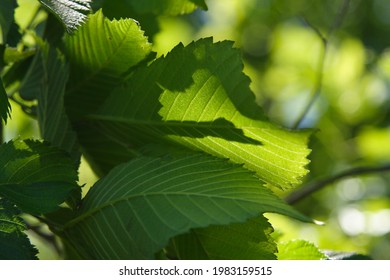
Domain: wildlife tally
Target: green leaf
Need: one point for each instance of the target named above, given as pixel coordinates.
(134, 211)
(198, 97)
(14, 244)
(69, 12)
(169, 7)
(100, 54)
(299, 250)
(35, 176)
(334, 255)
(250, 240)
(7, 8)
(5, 106)
(53, 121)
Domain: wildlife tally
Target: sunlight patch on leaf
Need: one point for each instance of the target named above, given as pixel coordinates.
(70, 12)
(198, 97)
(100, 53)
(299, 250)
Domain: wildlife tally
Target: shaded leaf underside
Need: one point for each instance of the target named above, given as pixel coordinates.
(35, 176)
(140, 205)
(249, 240)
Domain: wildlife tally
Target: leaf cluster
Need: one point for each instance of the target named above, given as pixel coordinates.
(188, 161)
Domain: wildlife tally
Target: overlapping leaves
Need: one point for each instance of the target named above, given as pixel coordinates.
(249, 240)
(140, 205)
(70, 12)
(35, 176)
(198, 97)
(14, 243)
(100, 53)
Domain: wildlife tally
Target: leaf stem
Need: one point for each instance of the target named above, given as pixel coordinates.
(320, 70)
(310, 188)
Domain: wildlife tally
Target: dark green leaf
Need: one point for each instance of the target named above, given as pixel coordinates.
(5, 106)
(38, 197)
(70, 12)
(14, 243)
(35, 176)
(134, 211)
(198, 97)
(250, 240)
(53, 122)
(7, 8)
(100, 53)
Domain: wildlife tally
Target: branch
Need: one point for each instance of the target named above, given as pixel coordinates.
(48, 237)
(325, 41)
(307, 190)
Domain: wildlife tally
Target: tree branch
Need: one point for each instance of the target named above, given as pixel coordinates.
(320, 70)
(310, 188)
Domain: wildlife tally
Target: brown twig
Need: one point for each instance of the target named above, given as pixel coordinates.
(310, 188)
(320, 70)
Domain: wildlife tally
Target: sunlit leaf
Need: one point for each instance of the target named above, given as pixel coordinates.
(70, 12)
(198, 97)
(35, 176)
(299, 250)
(170, 7)
(134, 211)
(249, 240)
(100, 53)
(14, 243)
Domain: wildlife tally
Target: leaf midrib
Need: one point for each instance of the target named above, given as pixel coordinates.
(89, 213)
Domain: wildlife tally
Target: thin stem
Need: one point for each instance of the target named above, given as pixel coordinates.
(307, 190)
(320, 70)
(48, 237)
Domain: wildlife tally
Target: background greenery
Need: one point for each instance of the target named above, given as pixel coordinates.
(282, 49)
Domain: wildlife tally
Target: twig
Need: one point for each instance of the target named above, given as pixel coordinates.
(48, 237)
(307, 190)
(325, 41)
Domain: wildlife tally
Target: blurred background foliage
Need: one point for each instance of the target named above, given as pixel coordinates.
(282, 50)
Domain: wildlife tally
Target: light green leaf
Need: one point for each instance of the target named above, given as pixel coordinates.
(336, 255)
(198, 97)
(35, 176)
(53, 121)
(169, 7)
(7, 8)
(5, 106)
(250, 240)
(70, 12)
(14, 243)
(100, 53)
(134, 211)
(299, 250)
